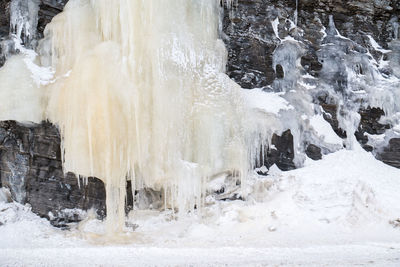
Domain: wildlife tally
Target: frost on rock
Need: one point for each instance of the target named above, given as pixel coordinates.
(350, 80)
(24, 20)
(355, 81)
(23, 27)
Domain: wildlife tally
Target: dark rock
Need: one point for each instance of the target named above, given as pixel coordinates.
(250, 38)
(313, 152)
(330, 116)
(391, 154)
(310, 63)
(31, 167)
(4, 26)
(282, 152)
(14, 172)
(369, 123)
(48, 9)
(4, 17)
(251, 41)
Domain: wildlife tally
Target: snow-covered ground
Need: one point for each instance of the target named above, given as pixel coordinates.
(340, 211)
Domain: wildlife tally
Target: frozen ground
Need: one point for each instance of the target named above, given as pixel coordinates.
(345, 255)
(340, 211)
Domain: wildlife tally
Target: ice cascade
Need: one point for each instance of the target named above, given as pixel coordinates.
(141, 94)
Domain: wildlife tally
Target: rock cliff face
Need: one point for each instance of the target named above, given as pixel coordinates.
(251, 40)
(250, 37)
(391, 154)
(48, 9)
(4, 17)
(4, 25)
(30, 166)
(30, 157)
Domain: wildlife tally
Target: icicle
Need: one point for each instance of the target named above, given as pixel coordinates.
(395, 30)
(296, 13)
(331, 27)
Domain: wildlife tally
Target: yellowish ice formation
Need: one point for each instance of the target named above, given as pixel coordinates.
(140, 93)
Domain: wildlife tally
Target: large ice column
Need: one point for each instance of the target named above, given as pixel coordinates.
(141, 93)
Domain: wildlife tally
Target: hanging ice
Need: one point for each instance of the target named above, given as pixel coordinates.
(146, 98)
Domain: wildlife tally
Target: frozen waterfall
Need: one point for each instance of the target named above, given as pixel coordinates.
(139, 92)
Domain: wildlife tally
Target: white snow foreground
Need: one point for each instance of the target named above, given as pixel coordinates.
(339, 211)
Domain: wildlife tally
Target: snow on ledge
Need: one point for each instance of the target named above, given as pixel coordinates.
(265, 101)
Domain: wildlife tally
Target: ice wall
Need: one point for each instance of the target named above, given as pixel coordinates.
(141, 94)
